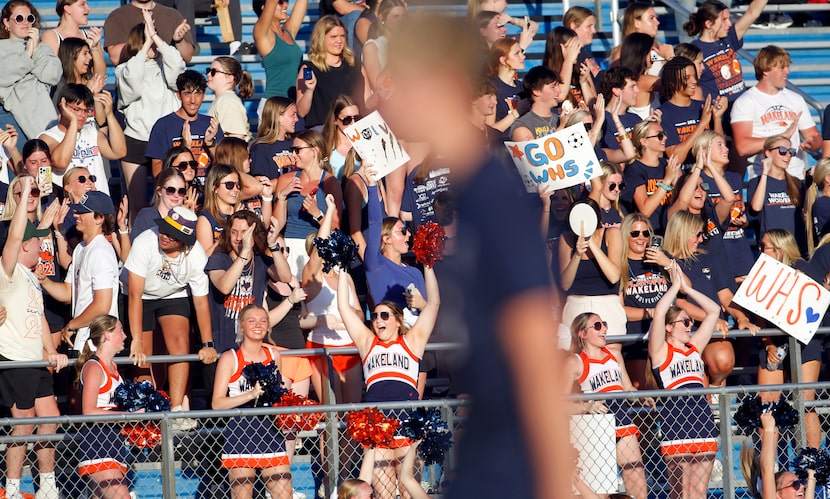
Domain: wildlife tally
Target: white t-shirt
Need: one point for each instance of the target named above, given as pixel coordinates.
(86, 155)
(94, 267)
(21, 333)
(771, 115)
(231, 113)
(164, 277)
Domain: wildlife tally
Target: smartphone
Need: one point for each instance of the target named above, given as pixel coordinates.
(307, 74)
(410, 290)
(656, 242)
(44, 180)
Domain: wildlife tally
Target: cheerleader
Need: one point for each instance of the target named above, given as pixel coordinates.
(251, 443)
(102, 447)
(690, 437)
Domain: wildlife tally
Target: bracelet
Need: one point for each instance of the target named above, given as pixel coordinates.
(665, 187)
(207, 344)
(58, 234)
(243, 258)
(124, 231)
(282, 198)
(669, 266)
(268, 199)
(275, 247)
(622, 136)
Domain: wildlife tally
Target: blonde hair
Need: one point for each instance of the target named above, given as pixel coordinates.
(680, 228)
(576, 15)
(580, 323)
(638, 133)
(625, 229)
(11, 203)
(783, 241)
(608, 169)
(317, 47)
(703, 141)
(820, 172)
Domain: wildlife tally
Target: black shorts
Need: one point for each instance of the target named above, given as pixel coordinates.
(135, 151)
(153, 309)
(20, 387)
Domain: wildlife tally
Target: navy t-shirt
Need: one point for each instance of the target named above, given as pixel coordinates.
(167, 133)
(779, 211)
(679, 123)
(735, 243)
(268, 159)
(722, 73)
(504, 92)
(706, 275)
(503, 260)
(637, 174)
(821, 217)
(418, 198)
(609, 129)
(645, 286)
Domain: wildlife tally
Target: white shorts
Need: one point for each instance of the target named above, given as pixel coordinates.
(608, 307)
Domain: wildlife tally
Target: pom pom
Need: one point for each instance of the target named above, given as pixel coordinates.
(337, 249)
(142, 435)
(371, 428)
(427, 425)
(131, 396)
(785, 415)
(270, 380)
(428, 244)
(813, 459)
(297, 422)
(748, 414)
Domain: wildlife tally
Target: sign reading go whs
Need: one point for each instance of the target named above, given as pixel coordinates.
(561, 159)
(785, 297)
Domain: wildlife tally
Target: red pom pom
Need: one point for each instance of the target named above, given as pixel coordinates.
(428, 244)
(297, 422)
(143, 436)
(371, 428)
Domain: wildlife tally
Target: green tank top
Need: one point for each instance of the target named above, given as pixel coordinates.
(281, 66)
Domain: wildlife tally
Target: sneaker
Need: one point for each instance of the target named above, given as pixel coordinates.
(717, 471)
(184, 424)
(12, 495)
(234, 47)
(780, 21)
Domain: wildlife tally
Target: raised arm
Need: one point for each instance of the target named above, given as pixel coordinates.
(753, 12)
(704, 332)
(360, 334)
(657, 349)
(17, 229)
(724, 208)
(419, 335)
(407, 476)
(314, 267)
(769, 443)
(220, 399)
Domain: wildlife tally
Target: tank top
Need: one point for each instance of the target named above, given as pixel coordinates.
(341, 80)
(389, 364)
(590, 281)
(215, 224)
(600, 375)
(286, 333)
(681, 369)
(325, 303)
(300, 223)
(281, 65)
(238, 384)
(107, 389)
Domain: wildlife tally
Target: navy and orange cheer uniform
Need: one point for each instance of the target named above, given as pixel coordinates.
(102, 446)
(254, 441)
(688, 425)
(603, 376)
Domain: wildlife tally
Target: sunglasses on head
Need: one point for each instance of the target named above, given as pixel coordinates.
(598, 325)
(181, 191)
(83, 178)
(184, 165)
(231, 185)
(348, 120)
(686, 322)
(783, 150)
(383, 315)
(613, 185)
(30, 19)
(636, 233)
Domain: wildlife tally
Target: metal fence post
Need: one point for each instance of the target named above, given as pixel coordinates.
(168, 458)
(798, 394)
(724, 403)
(332, 441)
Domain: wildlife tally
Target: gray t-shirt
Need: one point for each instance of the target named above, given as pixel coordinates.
(539, 126)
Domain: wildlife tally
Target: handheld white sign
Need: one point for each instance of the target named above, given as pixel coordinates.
(376, 144)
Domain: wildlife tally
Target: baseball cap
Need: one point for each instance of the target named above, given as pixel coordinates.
(180, 224)
(94, 202)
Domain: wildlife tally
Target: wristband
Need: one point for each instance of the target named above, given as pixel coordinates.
(268, 199)
(124, 231)
(622, 136)
(243, 258)
(665, 187)
(207, 344)
(275, 247)
(319, 217)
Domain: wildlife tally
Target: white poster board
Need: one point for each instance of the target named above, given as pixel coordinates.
(593, 436)
(376, 144)
(785, 297)
(561, 159)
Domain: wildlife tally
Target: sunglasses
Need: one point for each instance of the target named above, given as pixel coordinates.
(19, 19)
(796, 485)
(783, 150)
(659, 135)
(613, 185)
(686, 322)
(34, 193)
(383, 315)
(297, 149)
(83, 178)
(213, 71)
(348, 120)
(404, 230)
(181, 191)
(184, 165)
(636, 233)
(598, 325)
(231, 185)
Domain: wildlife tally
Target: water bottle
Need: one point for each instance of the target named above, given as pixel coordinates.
(780, 352)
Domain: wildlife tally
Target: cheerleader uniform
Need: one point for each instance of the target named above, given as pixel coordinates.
(102, 446)
(391, 374)
(603, 376)
(688, 425)
(251, 442)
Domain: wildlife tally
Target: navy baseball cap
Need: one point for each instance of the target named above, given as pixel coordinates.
(94, 202)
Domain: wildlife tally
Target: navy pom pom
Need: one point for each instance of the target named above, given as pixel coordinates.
(427, 425)
(270, 380)
(130, 396)
(337, 249)
(812, 459)
(748, 414)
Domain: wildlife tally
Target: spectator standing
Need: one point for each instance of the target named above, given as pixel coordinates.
(636, 56)
(541, 84)
(170, 192)
(222, 199)
(275, 32)
(270, 155)
(223, 76)
(73, 15)
(505, 61)
(31, 69)
(172, 28)
(817, 204)
(775, 195)
(28, 391)
(619, 89)
(390, 16)
(79, 66)
(562, 49)
(768, 109)
(343, 159)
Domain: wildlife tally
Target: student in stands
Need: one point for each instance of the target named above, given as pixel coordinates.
(505, 61)
(619, 89)
(73, 15)
(275, 34)
(172, 27)
(719, 39)
(30, 69)
(775, 195)
(222, 199)
(334, 71)
(186, 126)
(224, 75)
(541, 84)
(596, 369)
(635, 55)
(270, 155)
(562, 49)
(146, 91)
(769, 109)
(690, 437)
